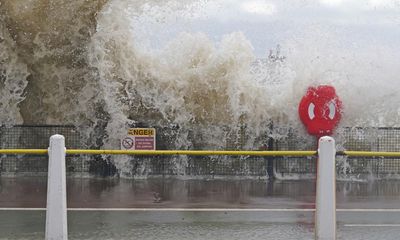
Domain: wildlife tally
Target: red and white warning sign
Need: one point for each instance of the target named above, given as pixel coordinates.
(139, 139)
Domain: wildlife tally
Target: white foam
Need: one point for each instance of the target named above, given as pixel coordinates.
(150, 62)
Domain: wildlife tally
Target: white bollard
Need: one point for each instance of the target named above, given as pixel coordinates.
(325, 215)
(56, 213)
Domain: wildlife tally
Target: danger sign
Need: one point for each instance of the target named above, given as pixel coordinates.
(142, 132)
(139, 139)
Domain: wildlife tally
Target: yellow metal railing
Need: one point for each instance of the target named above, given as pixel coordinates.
(164, 152)
(200, 152)
(24, 151)
(370, 154)
(194, 153)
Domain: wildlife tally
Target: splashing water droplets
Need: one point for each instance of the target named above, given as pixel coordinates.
(110, 65)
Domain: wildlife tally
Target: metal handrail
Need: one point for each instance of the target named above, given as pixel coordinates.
(199, 152)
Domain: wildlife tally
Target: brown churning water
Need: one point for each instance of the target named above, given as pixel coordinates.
(93, 64)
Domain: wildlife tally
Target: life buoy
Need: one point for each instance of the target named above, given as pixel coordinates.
(320, 110)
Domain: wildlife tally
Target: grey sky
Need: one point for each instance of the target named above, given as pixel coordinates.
(267, 23)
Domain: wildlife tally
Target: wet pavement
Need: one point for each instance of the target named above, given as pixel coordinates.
(30, 192)
(242, 216)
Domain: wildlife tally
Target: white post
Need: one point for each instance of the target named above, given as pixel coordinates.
(56, 214)
(325, 215)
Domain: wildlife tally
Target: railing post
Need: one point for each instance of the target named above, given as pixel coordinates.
(325, 216)
(56, 213)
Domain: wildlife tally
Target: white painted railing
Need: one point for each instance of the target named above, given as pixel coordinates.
(56, 212)
(325, 202)
(325, 218)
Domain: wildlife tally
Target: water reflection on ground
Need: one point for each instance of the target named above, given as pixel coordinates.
(159, 194)
(164, 193)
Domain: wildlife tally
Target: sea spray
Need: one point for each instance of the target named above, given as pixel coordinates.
(105, 66)
(13, 79)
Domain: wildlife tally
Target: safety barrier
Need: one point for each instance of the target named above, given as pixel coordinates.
(325, 221)
(200, 153)
(348, 166)
(165, 152)
(281, 138)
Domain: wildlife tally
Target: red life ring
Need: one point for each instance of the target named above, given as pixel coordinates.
(320, 110)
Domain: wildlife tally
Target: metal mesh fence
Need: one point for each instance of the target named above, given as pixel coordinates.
(356, 139)
(371, 139)
(286, 166)
(194, 166)
(37, 137)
